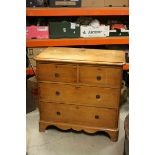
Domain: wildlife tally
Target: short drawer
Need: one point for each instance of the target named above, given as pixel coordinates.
(80, 115)
(106, 76)
(56, 72)
(79, 95)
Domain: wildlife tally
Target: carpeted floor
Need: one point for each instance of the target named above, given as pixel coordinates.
(55, 142)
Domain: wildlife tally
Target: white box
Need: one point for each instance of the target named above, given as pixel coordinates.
(90, 31)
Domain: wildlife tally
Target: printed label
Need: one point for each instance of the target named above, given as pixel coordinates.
(89, 31)
(73, 25)
(42, 28)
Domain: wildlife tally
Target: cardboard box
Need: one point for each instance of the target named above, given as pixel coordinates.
(37, 32)
(64, 29)
(65, 3)
(90, 31)
(32, 52)
(105, 3)
(92, 3)
(31, 94)
(116, 3)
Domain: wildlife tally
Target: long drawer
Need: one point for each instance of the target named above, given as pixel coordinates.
(56, 72)
(80, 115)
(79, 95)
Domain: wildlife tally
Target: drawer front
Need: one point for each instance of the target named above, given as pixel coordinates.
(80, 115)
(56, 72)
(106, 76)
(82, 95)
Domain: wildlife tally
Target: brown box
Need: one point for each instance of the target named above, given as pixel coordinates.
(31, 94)
(65, 3)
(116, 3)
(92, 3)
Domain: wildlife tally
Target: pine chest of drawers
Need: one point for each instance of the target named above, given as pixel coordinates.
(80, 89)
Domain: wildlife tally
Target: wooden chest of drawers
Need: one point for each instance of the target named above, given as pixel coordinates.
(80, 89)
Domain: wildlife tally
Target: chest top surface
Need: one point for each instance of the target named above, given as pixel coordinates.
(80, 55)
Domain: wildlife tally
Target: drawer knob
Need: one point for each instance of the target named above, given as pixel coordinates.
(98, 96)
(57, 93)
(96, 116)
(98, 78)
(58, 113)
(56, 75)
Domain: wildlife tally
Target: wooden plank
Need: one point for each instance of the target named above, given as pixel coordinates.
(76, 55)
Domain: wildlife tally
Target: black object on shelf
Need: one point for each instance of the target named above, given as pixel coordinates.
(36, 3)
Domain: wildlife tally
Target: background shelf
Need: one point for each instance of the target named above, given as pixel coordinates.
(109, 11)
(76, 41)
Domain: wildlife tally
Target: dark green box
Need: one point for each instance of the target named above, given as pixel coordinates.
(64, 29)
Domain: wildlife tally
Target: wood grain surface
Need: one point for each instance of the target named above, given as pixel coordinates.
(78, 55)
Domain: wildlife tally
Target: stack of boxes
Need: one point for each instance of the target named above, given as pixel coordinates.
(116, 3)
(67, 29)
(104, 3)
(72, 29)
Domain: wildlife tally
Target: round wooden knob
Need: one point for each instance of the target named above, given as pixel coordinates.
(98, 96)
(58, 113)
(57, 93)
(56, 75)
(96, 116)
(98, 78)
